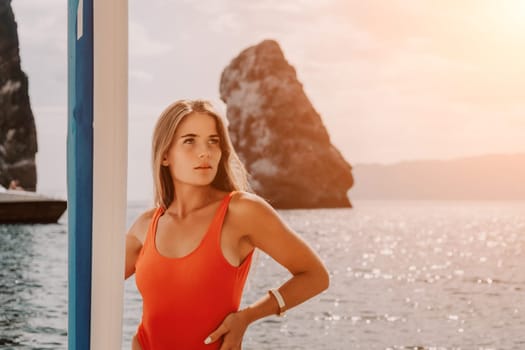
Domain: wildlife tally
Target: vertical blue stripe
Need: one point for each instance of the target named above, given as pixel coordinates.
(80, 174)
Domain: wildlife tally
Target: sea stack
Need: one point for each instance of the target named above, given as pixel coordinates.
(279, 135)
(18, 144)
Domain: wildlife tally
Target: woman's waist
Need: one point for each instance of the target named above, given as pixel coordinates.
(179, 313)
(178, 330)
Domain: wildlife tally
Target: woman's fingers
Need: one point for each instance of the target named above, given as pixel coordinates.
(231, 331)
(216, 334)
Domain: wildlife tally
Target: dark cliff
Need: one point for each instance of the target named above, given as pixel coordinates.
(18, 144)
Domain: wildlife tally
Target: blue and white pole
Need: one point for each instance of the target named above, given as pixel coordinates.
(97, 168)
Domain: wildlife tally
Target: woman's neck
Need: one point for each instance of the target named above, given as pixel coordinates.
(190, 198)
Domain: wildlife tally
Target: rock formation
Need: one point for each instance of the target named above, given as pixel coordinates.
(278, 134)
(17, 125)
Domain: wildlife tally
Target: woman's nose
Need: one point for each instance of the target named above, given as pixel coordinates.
(204, 151)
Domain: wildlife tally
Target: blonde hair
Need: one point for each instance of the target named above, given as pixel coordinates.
(231, 174)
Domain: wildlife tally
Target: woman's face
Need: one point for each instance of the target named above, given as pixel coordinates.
(195, 151)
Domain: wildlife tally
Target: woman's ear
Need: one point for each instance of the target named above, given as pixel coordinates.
(165, 161)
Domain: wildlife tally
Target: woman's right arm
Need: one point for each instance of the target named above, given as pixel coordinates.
(135, 239)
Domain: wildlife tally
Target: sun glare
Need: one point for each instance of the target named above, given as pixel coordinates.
(511, 15)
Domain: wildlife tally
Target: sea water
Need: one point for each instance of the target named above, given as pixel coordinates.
(404, 275)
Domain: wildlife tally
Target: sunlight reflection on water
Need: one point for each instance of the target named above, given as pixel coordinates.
(404, 275)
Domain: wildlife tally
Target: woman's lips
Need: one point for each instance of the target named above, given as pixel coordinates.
(203, 167)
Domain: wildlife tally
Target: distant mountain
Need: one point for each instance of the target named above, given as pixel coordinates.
(490, 177)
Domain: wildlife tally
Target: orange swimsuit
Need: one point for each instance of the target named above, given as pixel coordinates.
(187, 298)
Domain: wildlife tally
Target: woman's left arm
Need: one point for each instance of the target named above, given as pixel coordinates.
(265, 230)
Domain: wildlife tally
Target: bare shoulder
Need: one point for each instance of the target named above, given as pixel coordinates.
(248, 210)
(139, 228)
(249, 204)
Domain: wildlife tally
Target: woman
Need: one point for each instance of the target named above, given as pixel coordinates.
(191, 254)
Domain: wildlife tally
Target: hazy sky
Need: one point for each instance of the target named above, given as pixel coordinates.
(392, 80)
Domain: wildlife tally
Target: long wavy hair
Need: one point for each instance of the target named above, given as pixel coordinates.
(231, 174)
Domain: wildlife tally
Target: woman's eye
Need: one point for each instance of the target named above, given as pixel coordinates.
(214, 141)
(188, 140)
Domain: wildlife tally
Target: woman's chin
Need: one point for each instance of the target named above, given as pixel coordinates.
(198, 182)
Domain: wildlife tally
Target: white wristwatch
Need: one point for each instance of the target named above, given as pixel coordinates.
(280, 301)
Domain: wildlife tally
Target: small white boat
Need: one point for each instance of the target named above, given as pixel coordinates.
(18, 206)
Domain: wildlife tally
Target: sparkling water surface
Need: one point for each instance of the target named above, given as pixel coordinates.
(404, 275)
